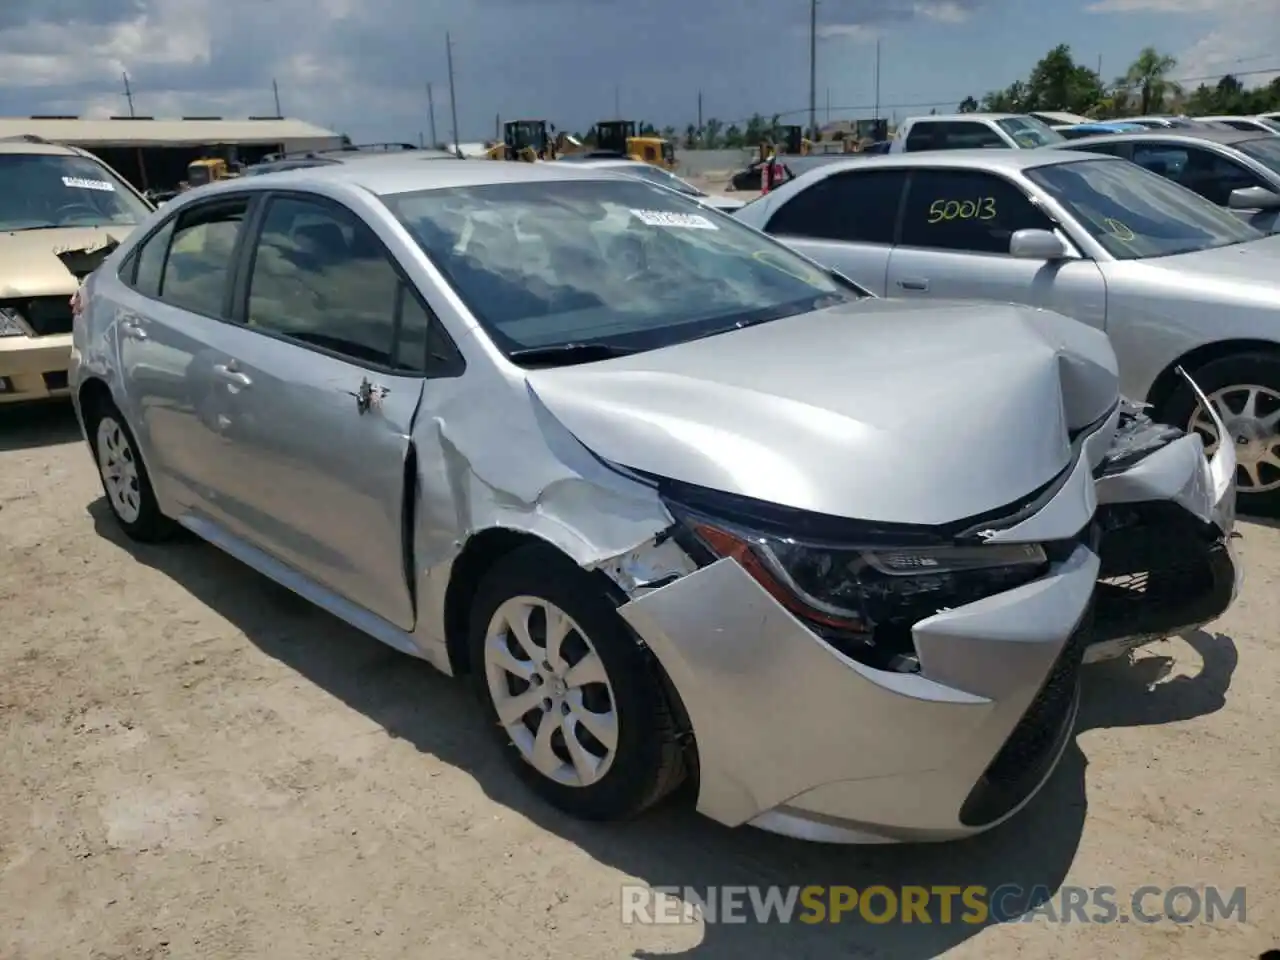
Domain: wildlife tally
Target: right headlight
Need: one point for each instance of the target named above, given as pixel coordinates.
(11, 324)
(865, 600)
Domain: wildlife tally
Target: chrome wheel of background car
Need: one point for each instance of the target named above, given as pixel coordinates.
(1252, 417)
(550, 691)
(119, 469)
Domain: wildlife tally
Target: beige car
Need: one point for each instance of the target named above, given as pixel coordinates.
(61, 209)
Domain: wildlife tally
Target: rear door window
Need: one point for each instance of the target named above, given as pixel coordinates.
(197, 271)
(952, 135)
(855, 207)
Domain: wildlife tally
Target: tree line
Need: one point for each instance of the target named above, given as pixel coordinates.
(1058, 82)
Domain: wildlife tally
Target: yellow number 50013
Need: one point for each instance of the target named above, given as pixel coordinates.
(980, 208)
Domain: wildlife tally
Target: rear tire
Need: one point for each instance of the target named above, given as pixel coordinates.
(608, 748)
(124, 476)
(1231, 383)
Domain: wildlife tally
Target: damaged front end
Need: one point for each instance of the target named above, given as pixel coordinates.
(928, 676)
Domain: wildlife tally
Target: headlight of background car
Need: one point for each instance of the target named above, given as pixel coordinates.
(11, 324)
(864, 601)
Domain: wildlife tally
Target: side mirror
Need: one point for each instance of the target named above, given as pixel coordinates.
(1253, 198)
(1037, 245)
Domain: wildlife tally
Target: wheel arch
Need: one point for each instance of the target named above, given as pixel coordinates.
(1166, 382)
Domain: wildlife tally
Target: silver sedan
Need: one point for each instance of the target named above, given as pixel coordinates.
(652, 481)
(1173, 279)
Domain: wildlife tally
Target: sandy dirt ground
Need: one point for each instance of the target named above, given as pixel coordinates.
(194, 763)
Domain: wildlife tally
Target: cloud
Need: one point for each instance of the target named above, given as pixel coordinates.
(1243, 35)
(363, 67)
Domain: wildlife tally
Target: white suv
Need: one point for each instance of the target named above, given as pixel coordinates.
(968, 131)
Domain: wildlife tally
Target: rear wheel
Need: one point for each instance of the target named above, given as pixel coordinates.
(1245, 391)
(124, 476)
(575, 700)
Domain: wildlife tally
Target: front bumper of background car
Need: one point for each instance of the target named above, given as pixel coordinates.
(797, 738)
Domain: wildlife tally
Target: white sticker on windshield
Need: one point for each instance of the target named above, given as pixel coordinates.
(664, 218)
(80, 183)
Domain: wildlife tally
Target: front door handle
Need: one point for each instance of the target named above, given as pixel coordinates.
(369, 396)
(913, 283)
(234, 378)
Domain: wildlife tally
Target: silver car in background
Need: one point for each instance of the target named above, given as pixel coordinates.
(652, 480)
(1172, 279)
(647, 171)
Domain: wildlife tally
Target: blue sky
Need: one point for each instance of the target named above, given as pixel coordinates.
(362, 66)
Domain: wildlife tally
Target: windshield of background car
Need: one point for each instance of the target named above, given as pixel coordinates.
(615, 262)
(1266, 150)
(1030, 132)
(57, 190)
(662, 178)
(1134, 213)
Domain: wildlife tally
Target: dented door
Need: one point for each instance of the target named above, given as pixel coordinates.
(315, 468)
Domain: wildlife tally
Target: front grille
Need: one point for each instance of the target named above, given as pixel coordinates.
(1027, 755)
(45, 316)
(1161, 570)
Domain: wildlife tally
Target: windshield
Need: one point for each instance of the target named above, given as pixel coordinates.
(1266, 150)
(662, 178)
(1030, 132)
(617, 263)
(58, 190)
(1134, 213)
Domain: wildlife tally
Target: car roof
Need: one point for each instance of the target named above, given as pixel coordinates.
(30, 147)
(981, 159)
(609, 162)
(1227, 137)
(404, 174)
(971, 116)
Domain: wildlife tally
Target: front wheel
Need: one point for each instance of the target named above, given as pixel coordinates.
(574, 699)
(1245, 391)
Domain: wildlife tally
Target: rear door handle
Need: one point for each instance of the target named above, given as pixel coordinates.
(228, 373)
(913, 283)
(133, 330)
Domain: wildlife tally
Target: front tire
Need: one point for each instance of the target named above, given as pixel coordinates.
(124, 476)
(575, 701)
(1245, 389)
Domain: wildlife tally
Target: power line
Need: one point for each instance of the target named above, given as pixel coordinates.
(956, 100)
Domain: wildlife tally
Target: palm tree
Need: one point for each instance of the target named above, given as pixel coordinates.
(1149, 75)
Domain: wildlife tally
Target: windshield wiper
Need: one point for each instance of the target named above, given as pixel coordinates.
(563, 354)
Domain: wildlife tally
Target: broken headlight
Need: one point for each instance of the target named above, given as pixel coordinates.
(865, 601)
(11, 324)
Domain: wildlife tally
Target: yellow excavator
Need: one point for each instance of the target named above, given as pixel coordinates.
(527, 140)
(619, 138)
(209, 169)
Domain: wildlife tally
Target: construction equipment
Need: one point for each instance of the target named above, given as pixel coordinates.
(620, 138)
(209, 169)
(525, 140)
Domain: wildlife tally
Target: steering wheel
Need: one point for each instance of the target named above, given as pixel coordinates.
(82, 205)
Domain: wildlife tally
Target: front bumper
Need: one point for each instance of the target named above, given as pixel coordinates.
(796, 738)
(33, 368)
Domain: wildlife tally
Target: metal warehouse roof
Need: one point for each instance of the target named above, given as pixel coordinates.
(194, 131)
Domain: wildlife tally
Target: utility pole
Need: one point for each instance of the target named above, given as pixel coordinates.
(828, 104)
(453, 100)
(128, 94)
(275, 92)
(617, 102)
(877, 107)
(699, 113)
(813, 68)
(431, 110)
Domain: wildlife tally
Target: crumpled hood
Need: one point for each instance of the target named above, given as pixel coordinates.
(29, 262)
(880, 410)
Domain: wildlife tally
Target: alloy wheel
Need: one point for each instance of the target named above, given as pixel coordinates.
(1251, 414)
